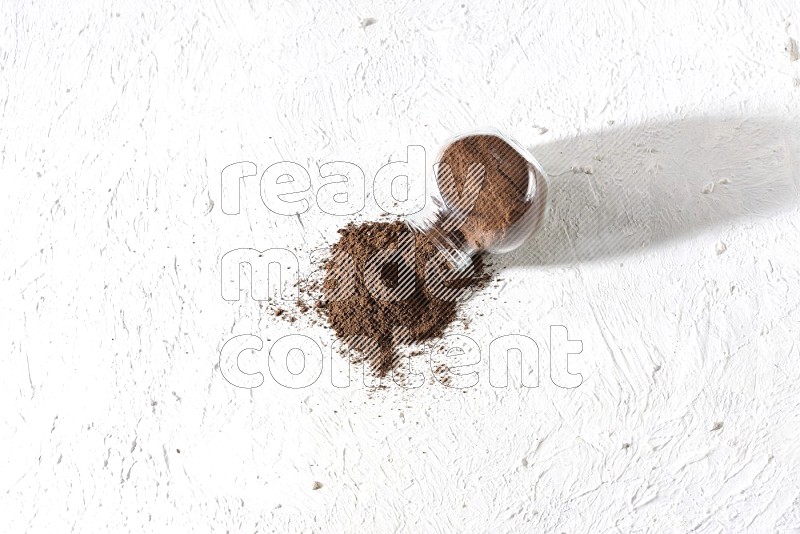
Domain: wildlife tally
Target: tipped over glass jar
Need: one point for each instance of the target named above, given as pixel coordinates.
(489, 195)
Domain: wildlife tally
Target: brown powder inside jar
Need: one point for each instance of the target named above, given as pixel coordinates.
(502, 198)
(368, 323)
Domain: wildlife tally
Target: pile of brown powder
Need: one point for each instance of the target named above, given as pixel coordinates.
(368, 323)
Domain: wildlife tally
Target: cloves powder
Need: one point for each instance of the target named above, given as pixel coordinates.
(373, 326)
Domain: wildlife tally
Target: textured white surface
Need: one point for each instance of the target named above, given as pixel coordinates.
(672, 253)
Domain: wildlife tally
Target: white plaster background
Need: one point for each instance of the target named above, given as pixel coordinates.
(117, 119)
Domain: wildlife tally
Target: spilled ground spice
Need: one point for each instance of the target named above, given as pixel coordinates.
(379, 290)
(388, 284)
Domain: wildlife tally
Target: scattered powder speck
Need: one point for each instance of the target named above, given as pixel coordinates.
(792, 49)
